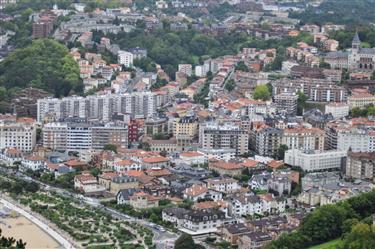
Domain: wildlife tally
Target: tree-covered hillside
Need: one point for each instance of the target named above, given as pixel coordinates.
(44, 64)
(351, 12)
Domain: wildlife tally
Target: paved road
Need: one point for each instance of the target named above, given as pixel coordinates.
(59, 238)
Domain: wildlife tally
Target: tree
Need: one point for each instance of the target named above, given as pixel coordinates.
(301, 102)
(230, 85)
(185, 241)
(110, 147)
(241, 66)
(45, 64)
(10, 242)
(262, 92)
(361, 236)
(281, 151)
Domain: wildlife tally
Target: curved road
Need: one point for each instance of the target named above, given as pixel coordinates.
(65, 243)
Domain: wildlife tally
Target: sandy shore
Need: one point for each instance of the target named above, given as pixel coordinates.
(22, 228)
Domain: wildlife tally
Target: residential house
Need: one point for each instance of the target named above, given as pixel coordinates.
(200, 192)
(142, 200)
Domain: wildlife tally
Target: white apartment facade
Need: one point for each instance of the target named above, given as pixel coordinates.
(125, 58)
(98, 107)
(18, 135)
(315, 160)
(303, 138)
(337, 109)
(357, 140)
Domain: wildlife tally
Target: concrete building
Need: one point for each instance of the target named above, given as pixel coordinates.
(83, 136)
(286, 102)
(187, 69)
(338, 110)
(303, 138)
(125, 58)
(315, 160)
(18, 134)
(361, 99)
(156, 125)
(97, 107)
(185, 130)
(356, 139)
(54, 136)
(213, 135)
(360, 165)
(267, 141)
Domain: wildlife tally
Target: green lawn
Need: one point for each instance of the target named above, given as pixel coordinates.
(328, 245)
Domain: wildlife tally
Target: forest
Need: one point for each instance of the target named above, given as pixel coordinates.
(346, 219)
(352, 13)
(44, 64)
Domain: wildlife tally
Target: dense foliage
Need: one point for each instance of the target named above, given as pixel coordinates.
(10, 242)
(185, 241)
(365, 112)
(327, 223)
(361, 236)
(169, 48)
(45, 64)
(262, 92)
(350, 12)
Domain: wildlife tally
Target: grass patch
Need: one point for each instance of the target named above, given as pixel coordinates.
(333, 244)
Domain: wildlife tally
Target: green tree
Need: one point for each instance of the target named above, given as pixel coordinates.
(362, 236)
(45, 64)
(10, 242)
(110, 147)
(262, 92)
(230, 85)
(301, 102)
(281, 151)
(241, 66)
(185, 241)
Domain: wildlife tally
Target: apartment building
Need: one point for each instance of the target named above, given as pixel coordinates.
(303, 138)
(125, 58)
(360, 165)
(55, 135)
(185, 130)
(316, 160)
(286, 102)
(356, 139)
(213, 135)
(361, 98)
(97, 107)
(75, 136)
(319, 90)
(20, 134)
(225, 185)
(338, 110)
(267, 141)
(187, 69)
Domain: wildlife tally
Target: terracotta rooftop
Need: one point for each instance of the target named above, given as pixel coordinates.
(158, 172)
(191, 154)
(249, 163)
(195, 190)
(275, 164)
(158, 159)
(226, 165)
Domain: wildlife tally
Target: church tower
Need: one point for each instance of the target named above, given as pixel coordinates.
(353, 55)
(356, 43)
